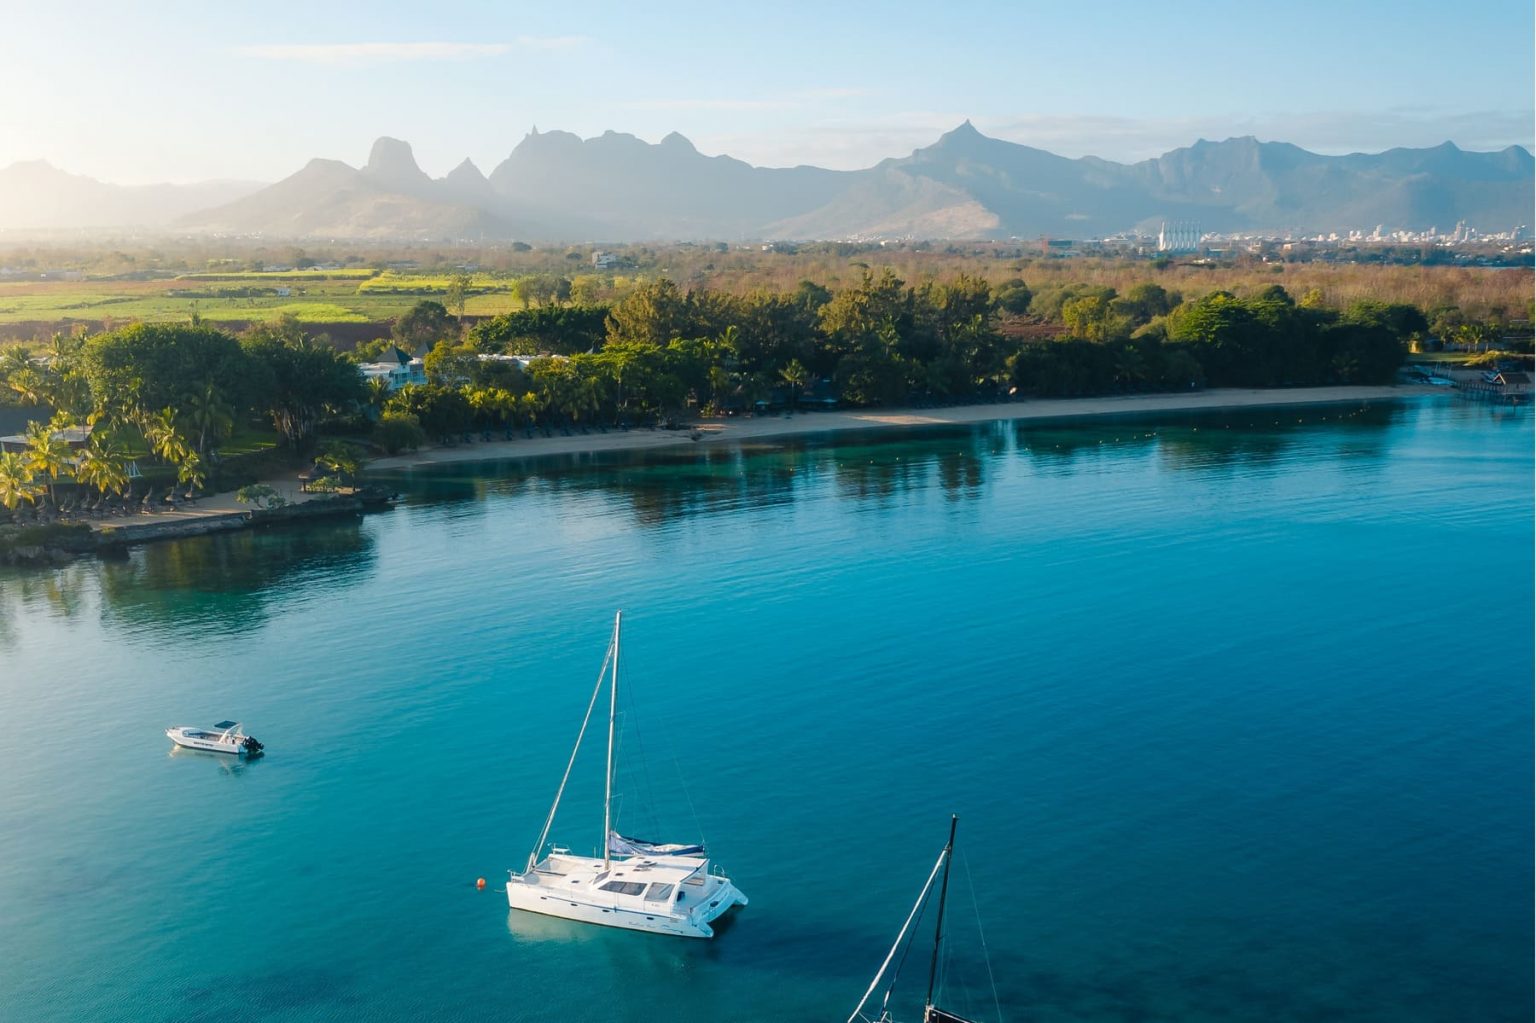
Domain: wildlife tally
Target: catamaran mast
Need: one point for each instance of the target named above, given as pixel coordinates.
(938, 927)
(613, 706)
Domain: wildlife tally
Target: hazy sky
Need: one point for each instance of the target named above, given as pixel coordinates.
(137, 92)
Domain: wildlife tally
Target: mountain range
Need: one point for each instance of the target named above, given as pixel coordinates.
(556, 186)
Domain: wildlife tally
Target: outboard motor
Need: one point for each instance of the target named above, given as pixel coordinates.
(252, 747)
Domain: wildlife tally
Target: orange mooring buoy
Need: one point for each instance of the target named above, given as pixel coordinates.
(480, 883)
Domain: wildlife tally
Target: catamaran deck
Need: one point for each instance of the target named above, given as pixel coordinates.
(675, 895)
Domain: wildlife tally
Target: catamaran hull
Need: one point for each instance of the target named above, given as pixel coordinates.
(534, 899)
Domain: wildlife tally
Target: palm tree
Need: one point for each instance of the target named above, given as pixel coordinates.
(17, 482)
(189, 470)
(585, 396)
(15, 360)
(103, 465)
(342, 459)
(796, 376)
(163, 438)
(378, 393)
(210, 416)
(48, 454)
(30, 384)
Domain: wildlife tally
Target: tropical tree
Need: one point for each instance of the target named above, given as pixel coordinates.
(441, 411)
(458, 292)
(1094, 317)
(424, 325)
(1013, 297)
(260, 494)
(209, 415)
(29, 384)
(163, 435)
(343, 460)
(17, 481)
(1475, 336)
(190, 472)
(48, 454)
(157, 365)
(103, 464)
(655, 313)
(14, 359)
(399, 431)
(796, 376)
(376, 393)
(300, 382)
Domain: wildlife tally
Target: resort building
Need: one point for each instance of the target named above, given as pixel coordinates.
(395, 367)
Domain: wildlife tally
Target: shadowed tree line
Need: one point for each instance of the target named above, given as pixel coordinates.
(176, 393)
(169, 394)
(662, 351)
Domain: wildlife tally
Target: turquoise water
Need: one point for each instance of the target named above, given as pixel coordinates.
(1235, 710)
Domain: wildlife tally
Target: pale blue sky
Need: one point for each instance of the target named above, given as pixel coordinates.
(183, 91)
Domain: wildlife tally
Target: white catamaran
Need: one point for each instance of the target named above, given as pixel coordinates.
(643, 886)
(931, 1013)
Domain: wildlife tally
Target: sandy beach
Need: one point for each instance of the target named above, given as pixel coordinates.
(759, 428)
(767, 428)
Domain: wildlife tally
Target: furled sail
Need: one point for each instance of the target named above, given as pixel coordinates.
(618, 845)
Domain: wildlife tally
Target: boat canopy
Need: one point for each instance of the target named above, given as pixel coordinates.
(222, 725)
(618, 845)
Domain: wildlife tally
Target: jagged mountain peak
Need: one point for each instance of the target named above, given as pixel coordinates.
(466, 184)
(676, 140)
(393, 165)
(558, 186)
(962, 136)
(466, 170)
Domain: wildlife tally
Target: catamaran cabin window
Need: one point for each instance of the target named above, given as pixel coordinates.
(659, 892)
(624, 887)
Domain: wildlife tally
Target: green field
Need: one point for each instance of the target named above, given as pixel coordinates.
(314, 297)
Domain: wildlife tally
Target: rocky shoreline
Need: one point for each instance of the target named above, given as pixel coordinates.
(60, 543)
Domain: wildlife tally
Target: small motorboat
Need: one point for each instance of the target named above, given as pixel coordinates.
(224, 737)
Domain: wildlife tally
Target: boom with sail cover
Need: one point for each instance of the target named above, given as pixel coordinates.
(619, 845)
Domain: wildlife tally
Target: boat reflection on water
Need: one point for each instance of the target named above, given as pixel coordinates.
(539, 929)
(226, 763)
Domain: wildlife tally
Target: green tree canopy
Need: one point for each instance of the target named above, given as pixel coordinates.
(150, 366)
(424, 325)
(654, 313)
(299, 383)
(443, 412)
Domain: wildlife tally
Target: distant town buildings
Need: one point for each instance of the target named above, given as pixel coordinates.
(1179, 237)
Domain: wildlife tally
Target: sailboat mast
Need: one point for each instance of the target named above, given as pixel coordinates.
(613, 706)
(938, 927)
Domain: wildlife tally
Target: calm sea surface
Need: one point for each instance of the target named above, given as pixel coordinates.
(1236, 712)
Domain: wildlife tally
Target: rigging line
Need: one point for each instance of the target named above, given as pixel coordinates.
(885, 1003)
(682, 780)
(682, 783)
(647, 790)
(533, 857)
(986, 955)
(922, 899)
